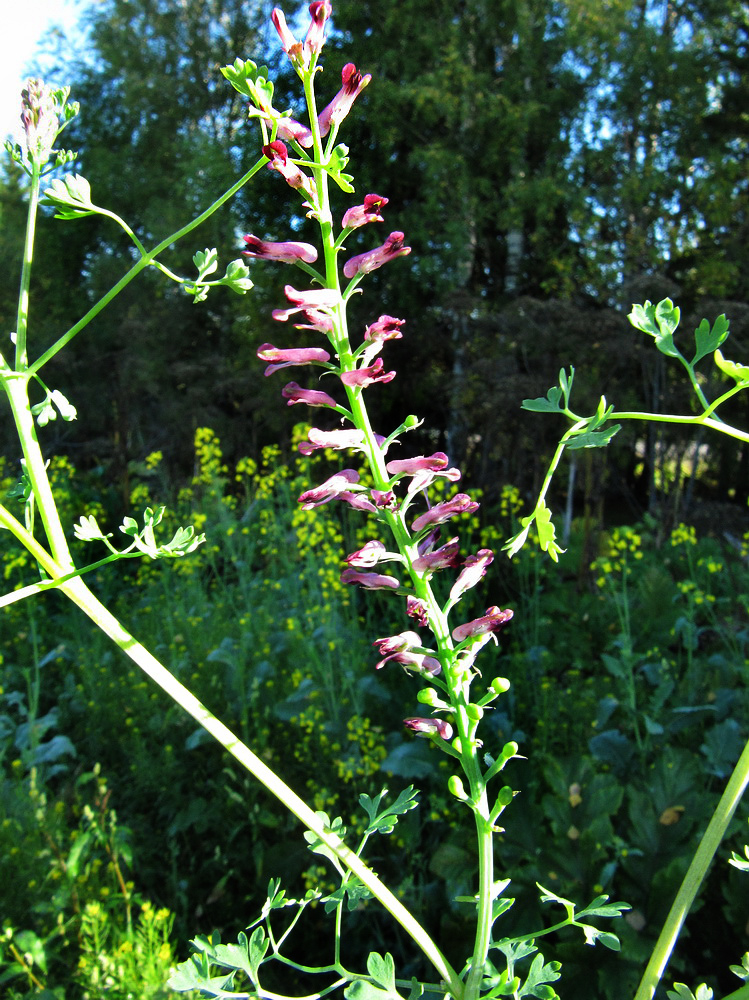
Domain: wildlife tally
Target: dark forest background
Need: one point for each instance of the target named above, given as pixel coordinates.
(550, 163)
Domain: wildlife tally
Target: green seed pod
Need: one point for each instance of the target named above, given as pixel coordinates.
(411, 421)
(505, 796)
(455, 787)
(499, 685)
(509, 749)
(474, 712)
(428, 696)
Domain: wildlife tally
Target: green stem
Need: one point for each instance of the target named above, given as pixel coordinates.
(674, 418)
(144, 262)
(28, 257)
(694, 877)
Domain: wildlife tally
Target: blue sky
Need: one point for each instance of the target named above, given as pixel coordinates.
(23, 28)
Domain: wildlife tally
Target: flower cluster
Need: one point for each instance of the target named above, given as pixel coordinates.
(397, 495)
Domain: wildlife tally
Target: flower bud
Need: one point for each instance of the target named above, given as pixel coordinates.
(455, 787)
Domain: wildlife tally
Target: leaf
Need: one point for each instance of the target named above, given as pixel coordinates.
(593, 439)
(206, 262)
(682, 992)
(546, 531)
(338, 160)
(659, 322)
(71, 196)
(237, 277)
(87, 529)
(316, 845)
(708, 340)
(739, 373)
(545, 404)
(352, 890)
(384, 822)
(539, 974)
(382, 970)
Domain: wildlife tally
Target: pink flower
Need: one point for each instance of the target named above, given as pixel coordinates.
(410, 466)
(301, 55)
(320, 11)
(360, 215)
(473, 569)
(289, 130)
(279, 161)
(440, 558)
(281, 358)
(337, 440)
(308, 302)
(287, 253)
(370, 581)
(385, 328)
(430, 727)
(397, 643)
(492, 621)
(400, 649)
(372, 259)
(367, 556)
(329, 490)
(363, 377)
(312, 397)
(416, 608)
(461, 503)
(293, 49)
(358, 502)
(383, 498)
(352, 85)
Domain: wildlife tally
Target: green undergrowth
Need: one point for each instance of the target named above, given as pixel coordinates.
(123, 829)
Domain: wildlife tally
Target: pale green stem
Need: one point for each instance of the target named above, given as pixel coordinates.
(28, 257)
(694, 877)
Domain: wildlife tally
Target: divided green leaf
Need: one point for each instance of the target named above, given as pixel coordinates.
(708, 340)
(384, 822)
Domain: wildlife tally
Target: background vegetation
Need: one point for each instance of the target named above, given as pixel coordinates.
(550, 164)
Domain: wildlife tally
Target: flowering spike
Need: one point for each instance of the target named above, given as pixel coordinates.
(363, 263)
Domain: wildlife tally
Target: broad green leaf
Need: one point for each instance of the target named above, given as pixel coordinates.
(71, 197)
(382, 970)
(708, 340)
(545, 404)
(660, 322)
(237, 277)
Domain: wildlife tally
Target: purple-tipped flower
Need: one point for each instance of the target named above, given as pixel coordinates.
(352, 85)
(430, 727)
(385, 328)
(473, 569)
(279, 161)
(359, 502)
(361, 215)
(363, 377)
(367, 556)
(492, 621)
(312, 397)
(337, 440)
(416, 608)
(461, 503)
(401, 649)
(440, 558)
(370, 581)
(40, 120)
(319, 11)
(284, 358)
(363, 263)
(293, 49)
(308, 302)
(316, 320)
(423, 470)
(288, 130)
(287, 253)
(329, 490)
